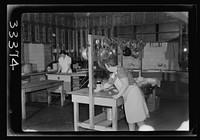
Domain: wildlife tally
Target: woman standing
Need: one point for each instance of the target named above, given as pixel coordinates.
(64, 63)
(136, 110)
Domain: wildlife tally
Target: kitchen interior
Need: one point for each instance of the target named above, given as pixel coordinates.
(164, 56)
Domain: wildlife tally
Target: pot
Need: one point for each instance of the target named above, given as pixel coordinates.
(127, 51)
(84, 53)
(135, 54)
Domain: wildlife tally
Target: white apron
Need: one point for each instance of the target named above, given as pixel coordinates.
(135, 106)
(64, 64)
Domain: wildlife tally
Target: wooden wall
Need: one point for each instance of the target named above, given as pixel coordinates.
(69, 31)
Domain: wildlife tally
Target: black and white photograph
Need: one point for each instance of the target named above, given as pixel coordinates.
(91, 69)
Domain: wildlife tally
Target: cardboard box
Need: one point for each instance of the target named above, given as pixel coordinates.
(40, 96)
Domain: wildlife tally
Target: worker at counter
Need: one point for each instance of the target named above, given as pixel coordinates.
(64, 63)
(136, 110)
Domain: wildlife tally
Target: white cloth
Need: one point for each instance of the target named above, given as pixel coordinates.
(64, 62)
(135, 106)
(143, 81)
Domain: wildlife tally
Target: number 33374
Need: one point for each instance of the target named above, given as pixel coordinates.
(13, 45)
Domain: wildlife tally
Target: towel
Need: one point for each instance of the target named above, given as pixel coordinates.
(143, 81)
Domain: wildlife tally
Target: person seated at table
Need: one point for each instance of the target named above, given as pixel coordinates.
(64, 63)
(136, 110)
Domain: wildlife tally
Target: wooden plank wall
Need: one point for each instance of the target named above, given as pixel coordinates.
(71, 33)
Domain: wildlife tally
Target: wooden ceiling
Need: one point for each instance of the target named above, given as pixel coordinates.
(179, 16)
(174, 16)
(183, 16)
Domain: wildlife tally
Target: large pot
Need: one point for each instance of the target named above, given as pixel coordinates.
(84, 54)
(127, 51)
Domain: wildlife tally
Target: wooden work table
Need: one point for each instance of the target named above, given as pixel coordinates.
(37, 73)
(103, 98)
(35, 86)
(71, 74)
(71, 80)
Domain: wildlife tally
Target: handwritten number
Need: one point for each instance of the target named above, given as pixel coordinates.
(15, 54)
(15, 24)
(13, 45)
(14, 63)
(13, 34)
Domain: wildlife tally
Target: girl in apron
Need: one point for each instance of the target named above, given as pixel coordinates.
(64, 63)
(136, 110)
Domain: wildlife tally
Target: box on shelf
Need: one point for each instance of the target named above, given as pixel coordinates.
(36, 78)
(75, 88)
(40, 96)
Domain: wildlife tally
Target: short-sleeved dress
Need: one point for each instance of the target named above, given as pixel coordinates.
(64, 63)
(134, 103)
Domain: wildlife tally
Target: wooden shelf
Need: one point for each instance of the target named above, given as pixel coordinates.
(100, 122)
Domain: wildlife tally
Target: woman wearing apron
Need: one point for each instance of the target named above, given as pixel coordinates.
(136, 110)
(64, 63)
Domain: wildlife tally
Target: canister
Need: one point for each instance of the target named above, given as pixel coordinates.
(55, 66)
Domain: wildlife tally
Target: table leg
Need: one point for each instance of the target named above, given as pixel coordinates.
(49, 97)
(154, 99)
(62, 95)
(76, 116)
(114, 118)
(23, 104)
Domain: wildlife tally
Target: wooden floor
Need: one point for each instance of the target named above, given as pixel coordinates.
(169, 117)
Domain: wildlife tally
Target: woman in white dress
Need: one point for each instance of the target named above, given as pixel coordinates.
(64, 63)
(136, 110)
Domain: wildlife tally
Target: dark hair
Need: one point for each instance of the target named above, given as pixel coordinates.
(62, 52)
(111, 62)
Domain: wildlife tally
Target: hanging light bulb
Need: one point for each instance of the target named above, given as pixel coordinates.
(185, 49)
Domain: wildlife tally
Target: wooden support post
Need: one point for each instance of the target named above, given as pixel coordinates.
(76, 39)
(68, 41)
(76, 116)
(140, 62)
(90, 64)
(81, 43)
(76, 43)
(73, 45)
(154, 99)
(57, 44)
(23, 105)
(121, 55)
(180, 46)
(62, 95)
(49, 97)
(140, 67)
(114, 118)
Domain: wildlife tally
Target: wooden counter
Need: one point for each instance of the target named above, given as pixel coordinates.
(35, 86)
(70, 80)
(163, 75)
(103, 98)
(37, 73)
(174, 84)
